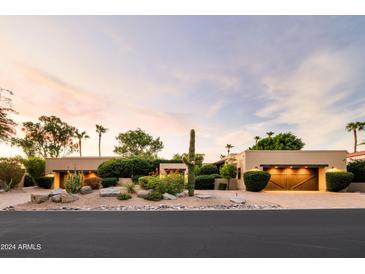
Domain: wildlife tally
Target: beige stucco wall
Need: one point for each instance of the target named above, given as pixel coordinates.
(71, 163)
(165, 166)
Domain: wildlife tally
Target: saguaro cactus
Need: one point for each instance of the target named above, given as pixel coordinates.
(190, 162)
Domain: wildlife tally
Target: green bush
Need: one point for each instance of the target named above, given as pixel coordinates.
(153, 182)
(29, 180)
(154, 195)
(73, 182)
(124, 168)
(357, 167)
(217, 176)
(45, 181)
(109, 182)
(222, 186)
(208, 169)
(93, 182)
(142, 181)
(124, 196)
(172, 183)
(135, 178)
(337, 181)
(256, 180)
(35, 166)
(11, 173)
(204, 182)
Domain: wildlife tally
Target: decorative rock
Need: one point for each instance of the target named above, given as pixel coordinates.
(55, 192)
(181, 195)
(68, 198)
(237, 200)
(203, 196)
(38, 198)
(56, 198)
(168, 196)
(109, 192)
(2, 191)
(86, 190)
(143, 193)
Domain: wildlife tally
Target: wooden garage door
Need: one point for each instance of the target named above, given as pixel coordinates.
(293, 179)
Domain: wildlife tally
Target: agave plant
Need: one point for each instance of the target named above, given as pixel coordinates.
(74, 182)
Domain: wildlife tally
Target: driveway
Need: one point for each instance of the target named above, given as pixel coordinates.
(245, 233)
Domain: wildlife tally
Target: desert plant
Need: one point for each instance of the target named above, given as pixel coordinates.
(11, 173)
(154, 195)
(208, 169)
(338, 180)
(29, 180)
(93, 182)
(73, 182)
(357, 167)
(109, 182)
(45, 181)
(172, 183)
(256, 180)
(190, 162)
(228, 171)
(131, 187)
(142, 181)
(124, 196)
(204, 182)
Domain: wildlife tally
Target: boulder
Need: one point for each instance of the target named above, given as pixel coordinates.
(238, 200)
(38, 198)
(109, 192)
(55, 192)
(142, 193)
(181, 195)
(68, 198)
(56, 198)
(168, 196)
(86, 190)
(203, 196)
(2, 191)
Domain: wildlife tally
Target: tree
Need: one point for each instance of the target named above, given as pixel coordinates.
(228, 171)
(138, 143)
(80, 136)
(49, 137)
(228, 147)
(281, 141)
(354, 127)
(7, 125)
(257, 138)
(269, 134)
(100, 130)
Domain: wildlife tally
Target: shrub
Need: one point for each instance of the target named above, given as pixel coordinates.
(172, 183)
(109, 182)
(154, 195)
(208, 169)
(29, 180)
(222, 186)
(93, 182)
(130, 187)
(73, 182)
(124, 168)
(124, 196)
(204, 182)
(153, 182)
(217, 176)
(135, 178)
(337, 181)
(357, 167)
(142, 181)
(11, 173)
(35, 166)
(256, 180)
(45, 181)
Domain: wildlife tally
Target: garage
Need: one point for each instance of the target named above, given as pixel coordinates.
(292, 178)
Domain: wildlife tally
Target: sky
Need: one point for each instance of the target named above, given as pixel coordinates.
(228, 77)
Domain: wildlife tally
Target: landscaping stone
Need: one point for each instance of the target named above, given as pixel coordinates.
(181, 195)
(68, 198)
(142, 193)
(2, 191)
(38, 198)
(109, 192)
(203, 196)
(55, 192)
(168, 196)
(238, 200)
(56, 198)
(86, 190)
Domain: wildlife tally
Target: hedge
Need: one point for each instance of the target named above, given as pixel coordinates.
(337, 181)
(357, 167)
(109, 182)
(256, 180)
(45, 181)
(209, 169)
(205, 181)
(35, 166)
(29, 180)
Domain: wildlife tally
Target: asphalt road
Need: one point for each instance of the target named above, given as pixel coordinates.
(256, 233)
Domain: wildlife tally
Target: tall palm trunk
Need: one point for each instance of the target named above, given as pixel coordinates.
(80, 147)
(99, 144)
(355, 140)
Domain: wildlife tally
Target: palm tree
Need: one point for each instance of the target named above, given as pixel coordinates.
(257, 138)
(100, 130)
(270, 133)
(80, 136)
(228, 147)
(354, 126)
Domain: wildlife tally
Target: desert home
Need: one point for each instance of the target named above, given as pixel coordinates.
(289, 169)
